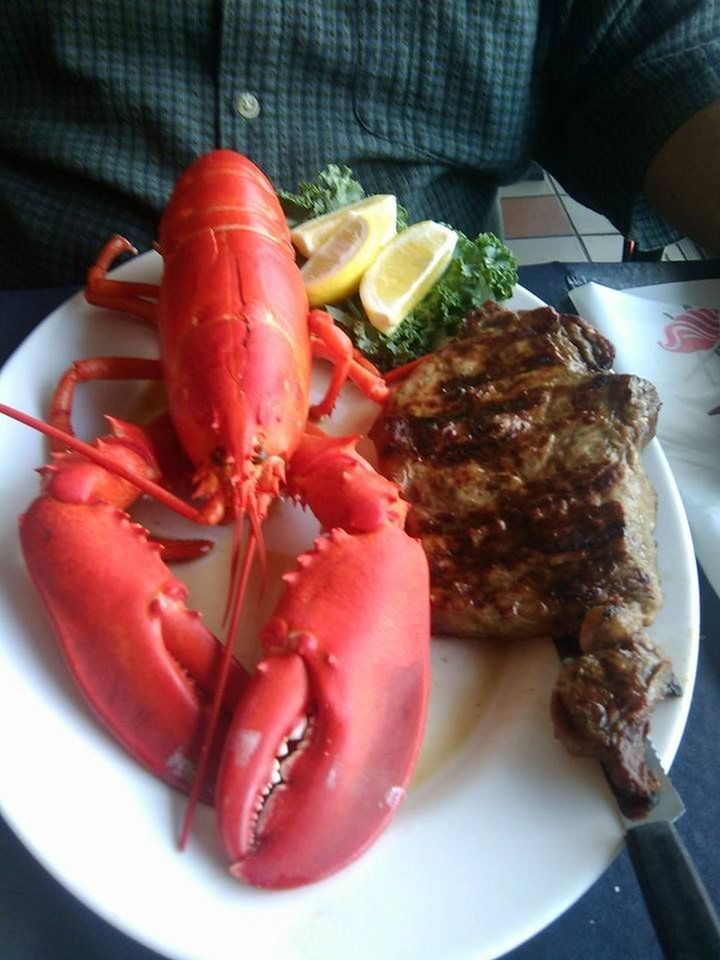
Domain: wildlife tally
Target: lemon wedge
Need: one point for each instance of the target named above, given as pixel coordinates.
(404, 271)
(310, 235)
(333, 272)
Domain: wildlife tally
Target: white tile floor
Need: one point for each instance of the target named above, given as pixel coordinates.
(544, 249)
(587, 236)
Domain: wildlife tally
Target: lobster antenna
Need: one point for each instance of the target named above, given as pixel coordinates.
(237, 588)
(154, 490)
(255, 516)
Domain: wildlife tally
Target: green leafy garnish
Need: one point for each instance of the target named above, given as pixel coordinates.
(332, 188)
(481, 269)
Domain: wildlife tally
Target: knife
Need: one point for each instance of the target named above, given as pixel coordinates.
(684, 918)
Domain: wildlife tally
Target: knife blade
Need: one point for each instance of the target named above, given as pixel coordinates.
(681, 911)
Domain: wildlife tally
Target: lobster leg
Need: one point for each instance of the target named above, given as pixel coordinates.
(347, 657)
(137, 299)
(95, 368)
(332, 343)
(175, 468)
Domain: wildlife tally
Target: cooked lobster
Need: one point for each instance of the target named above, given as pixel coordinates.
(308, 758)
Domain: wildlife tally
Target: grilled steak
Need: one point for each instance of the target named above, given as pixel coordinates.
(521, 455)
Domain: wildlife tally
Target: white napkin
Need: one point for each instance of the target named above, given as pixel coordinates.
(676, 347)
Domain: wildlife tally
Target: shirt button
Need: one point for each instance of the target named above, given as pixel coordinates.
(247, 105)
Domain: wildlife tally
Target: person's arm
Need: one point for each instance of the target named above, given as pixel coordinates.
(683, 179)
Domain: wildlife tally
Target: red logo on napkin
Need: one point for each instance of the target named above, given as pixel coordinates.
(695, 329)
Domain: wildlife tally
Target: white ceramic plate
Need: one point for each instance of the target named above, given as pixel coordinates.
(501, 830)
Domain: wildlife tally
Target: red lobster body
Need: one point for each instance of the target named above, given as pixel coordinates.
(233, 327)
(326, 732)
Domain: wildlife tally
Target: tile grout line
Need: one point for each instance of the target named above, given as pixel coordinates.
(578, 237)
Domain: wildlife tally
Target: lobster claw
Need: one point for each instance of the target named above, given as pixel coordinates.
(348, 660)
(145, 663)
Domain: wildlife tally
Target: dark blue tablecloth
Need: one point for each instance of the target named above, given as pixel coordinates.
(39, 920)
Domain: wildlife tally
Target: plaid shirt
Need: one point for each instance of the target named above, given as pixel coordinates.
(104, 103)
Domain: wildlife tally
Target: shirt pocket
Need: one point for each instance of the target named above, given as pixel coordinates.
(422, 77)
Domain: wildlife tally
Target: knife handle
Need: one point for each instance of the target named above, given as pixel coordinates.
(685, 920)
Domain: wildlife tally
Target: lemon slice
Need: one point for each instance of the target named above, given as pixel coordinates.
(404, 271)
(333, 272)
(310, 236)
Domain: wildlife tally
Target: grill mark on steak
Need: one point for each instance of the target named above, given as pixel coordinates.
(525, 478)
(520, 452)
(476, 426)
